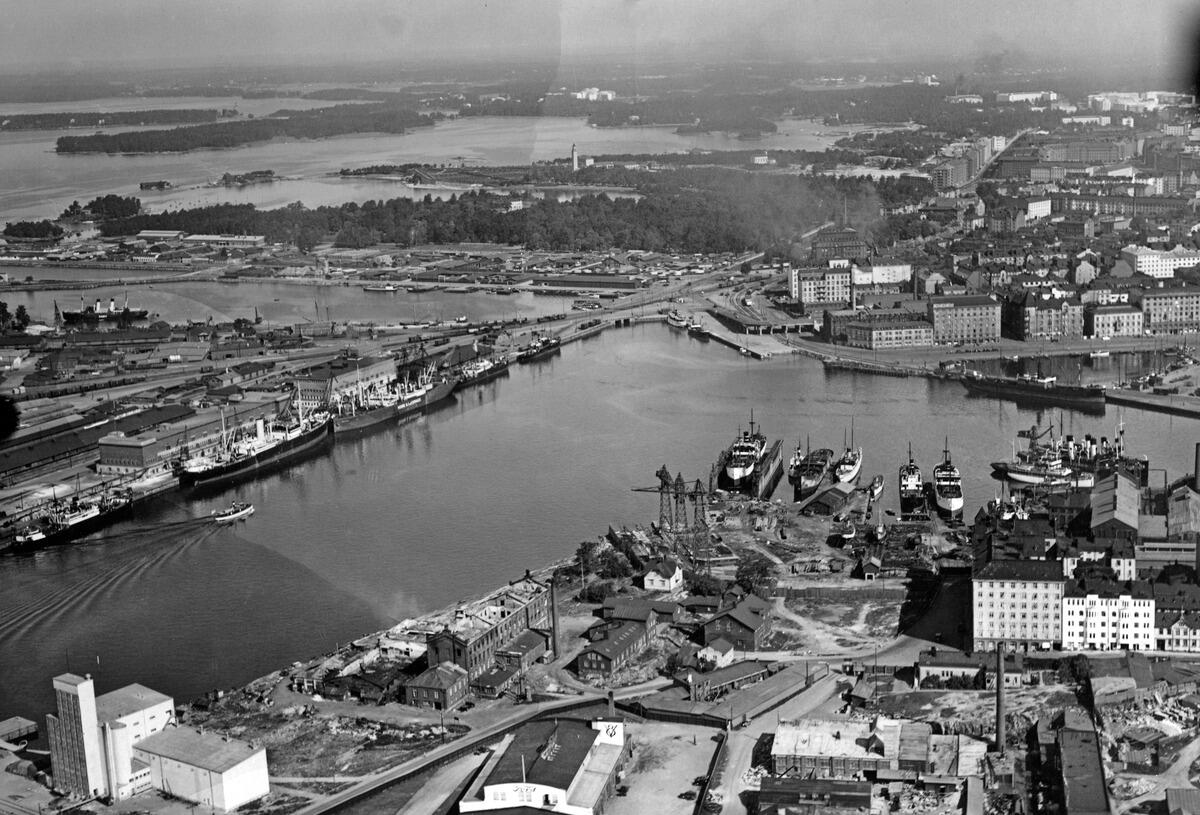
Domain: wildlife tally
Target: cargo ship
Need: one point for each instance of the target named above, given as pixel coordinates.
(1035, 388)
(540, 348)
(97, 313)
(285, 439)
(66, 520)
(742, 457)
(912, 488)
(808, 472)
(947, 485)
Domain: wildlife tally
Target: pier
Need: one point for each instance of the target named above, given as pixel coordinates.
(1174, 404)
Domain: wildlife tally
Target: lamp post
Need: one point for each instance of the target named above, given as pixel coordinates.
(442, 719)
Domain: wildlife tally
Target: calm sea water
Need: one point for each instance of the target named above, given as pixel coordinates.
(290, 303)
(41, 183)
(507, 476)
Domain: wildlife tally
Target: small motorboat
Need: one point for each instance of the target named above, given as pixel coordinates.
(238, 511)
(876, 488)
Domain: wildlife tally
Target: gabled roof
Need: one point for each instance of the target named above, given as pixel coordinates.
(742, 614)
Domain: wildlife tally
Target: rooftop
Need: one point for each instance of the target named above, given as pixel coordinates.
(553, 754)
(1083, 774)
(837, 739)
(129, 699)
(208, 751)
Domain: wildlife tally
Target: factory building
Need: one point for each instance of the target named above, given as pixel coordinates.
(124, 742)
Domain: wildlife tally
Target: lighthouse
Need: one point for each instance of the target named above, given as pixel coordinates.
(574, 159)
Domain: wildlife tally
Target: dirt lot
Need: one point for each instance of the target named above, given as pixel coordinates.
(976, 706)
(665, 761)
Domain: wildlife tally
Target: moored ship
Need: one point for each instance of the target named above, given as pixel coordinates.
(743, 456)
(481, 370)
(875, 489)
(677, 319)
(947, 485)
(540, 348)
(912, 488)
(66, 520)
(697, 329)
(1035, 388)
(96, 313)
(286, 438)
(810, 472)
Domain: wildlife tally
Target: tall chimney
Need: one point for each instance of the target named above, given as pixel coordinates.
(1196, 472)
(554, 619)
(1000, 698)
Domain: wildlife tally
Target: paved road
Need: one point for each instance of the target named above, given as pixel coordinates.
(740, 751)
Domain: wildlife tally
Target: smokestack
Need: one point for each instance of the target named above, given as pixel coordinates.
(554, 619)
(1000, 698)
(1196, 471)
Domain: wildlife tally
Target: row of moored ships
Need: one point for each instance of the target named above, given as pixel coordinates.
(244, 453)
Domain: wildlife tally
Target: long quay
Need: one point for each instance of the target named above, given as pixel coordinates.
(1174, 404)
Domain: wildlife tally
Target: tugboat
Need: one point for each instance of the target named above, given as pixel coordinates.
(912, 488)
(697, 329)
(743, 456)
(876, 488)
(238, 511)
(947, 485)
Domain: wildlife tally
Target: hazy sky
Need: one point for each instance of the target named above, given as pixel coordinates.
(76, 33)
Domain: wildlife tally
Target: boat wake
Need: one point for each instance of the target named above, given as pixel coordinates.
(125, 567)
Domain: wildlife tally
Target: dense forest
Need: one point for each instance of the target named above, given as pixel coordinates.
(319, 123)
(57, 121)
(32, 230)
(103, 208)
(687, 210)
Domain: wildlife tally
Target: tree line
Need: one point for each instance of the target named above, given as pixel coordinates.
(33, 230)
(55, 121)
(686, 210)
(319, 123)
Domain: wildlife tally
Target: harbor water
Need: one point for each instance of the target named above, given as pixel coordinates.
(509, 475)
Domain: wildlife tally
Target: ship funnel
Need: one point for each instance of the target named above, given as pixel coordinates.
(97, 305)
(112, 304)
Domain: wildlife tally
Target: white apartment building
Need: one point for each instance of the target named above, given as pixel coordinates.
(823, 286)
(1107, 618)
(1177, 631)
(1017, 603)
(1160, 263)
(882, 271)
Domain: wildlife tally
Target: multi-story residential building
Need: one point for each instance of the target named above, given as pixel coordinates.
(1159, 263)
(1130, 205)
(969, 318)
(822, 286)
(950, 174)
(1100, 612)
(882, 272)
(1118, 320)
(880, 335)
(1171, 311)
(1032, 316)
(1017, 603)
(838, 243)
